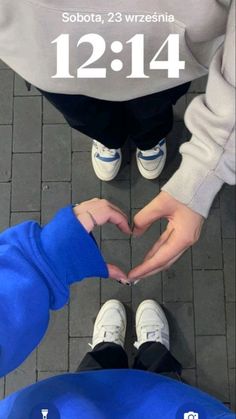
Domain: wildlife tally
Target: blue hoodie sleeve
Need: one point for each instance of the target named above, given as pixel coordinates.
(37, 266)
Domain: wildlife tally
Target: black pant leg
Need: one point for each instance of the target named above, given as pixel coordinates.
(99, 119)
(155, 357)
(150, 118)
(104, 356)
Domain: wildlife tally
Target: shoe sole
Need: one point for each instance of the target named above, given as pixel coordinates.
(151, 304)
(149, 175)
(98, 173)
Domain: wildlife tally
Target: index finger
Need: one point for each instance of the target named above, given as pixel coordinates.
(162, 268)
(120, 220)
(170, 249)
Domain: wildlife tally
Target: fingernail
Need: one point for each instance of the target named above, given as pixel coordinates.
(137, 281)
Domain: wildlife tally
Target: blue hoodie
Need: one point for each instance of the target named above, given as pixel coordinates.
(37, 266)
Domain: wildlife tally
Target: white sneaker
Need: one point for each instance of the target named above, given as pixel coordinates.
(151, 162)
(151, 324)
(110, 324)
(106, 162)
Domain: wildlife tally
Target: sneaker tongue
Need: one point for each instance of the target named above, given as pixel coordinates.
(151, 335)
(111, 334)
(107, 152)
(150, 328)
(151, 152)
(110, 327)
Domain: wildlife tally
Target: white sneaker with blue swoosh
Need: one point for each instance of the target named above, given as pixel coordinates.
(151, 162)
(106, 161)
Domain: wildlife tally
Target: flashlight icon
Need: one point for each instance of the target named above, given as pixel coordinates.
(44, 413)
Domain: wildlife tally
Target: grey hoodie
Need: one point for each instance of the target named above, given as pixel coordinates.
(206, 30)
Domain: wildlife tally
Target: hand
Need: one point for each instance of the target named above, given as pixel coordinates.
(183, 230)
(97, 212)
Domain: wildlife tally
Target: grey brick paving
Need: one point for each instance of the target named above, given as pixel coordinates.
(175, 138)
(53, 352)
(181, 320)
(55, 195)
(26, 188)
(42, 375)
(82, 191)
(27, 124)
(207, 253)
(6, 96)
(211, 356)
(138, 200)
(231, 327)
(177, 281)
(82, 314)
(2, 384)
(20, 88)
(5, 194)
(189, 376)
(2, 65)
(179, 109)
(80, 142)
(227, 204)
(232, 380)
(147, 289)
(141, 245)
(208, 303)
(45, 165)
(120, 190)
(116, 252)
(56, 153)
(5, 152)
(23, 376)
(229, 268)
(198, 85)
(51, 115)
(78, 348)
(20, 217)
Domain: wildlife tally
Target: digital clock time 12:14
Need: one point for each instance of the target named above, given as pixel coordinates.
(173, 65)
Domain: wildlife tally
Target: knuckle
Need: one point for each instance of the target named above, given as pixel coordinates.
(189, 240)
(190, 237)
(138, 220)
(105, 201)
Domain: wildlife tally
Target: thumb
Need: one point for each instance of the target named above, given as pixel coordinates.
(146, 217)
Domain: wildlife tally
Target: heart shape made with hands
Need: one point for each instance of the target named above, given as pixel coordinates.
(183, 230)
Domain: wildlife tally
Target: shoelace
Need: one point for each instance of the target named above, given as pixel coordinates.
(104, 150)
(149, 333)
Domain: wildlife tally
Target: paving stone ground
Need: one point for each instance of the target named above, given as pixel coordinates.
(45, 165)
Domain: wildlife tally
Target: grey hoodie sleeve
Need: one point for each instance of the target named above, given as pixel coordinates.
(208, 160)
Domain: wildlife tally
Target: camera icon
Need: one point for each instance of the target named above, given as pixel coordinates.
(44, 413)
(191, 415)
